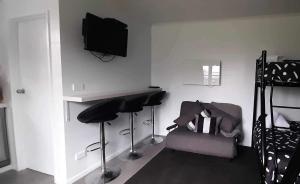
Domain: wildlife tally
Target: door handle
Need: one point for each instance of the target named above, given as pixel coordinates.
(20, 91)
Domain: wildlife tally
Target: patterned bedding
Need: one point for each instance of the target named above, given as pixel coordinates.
(282, 72)
(286, 142)
(295, 126)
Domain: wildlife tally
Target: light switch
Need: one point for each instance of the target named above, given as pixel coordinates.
(80, 155)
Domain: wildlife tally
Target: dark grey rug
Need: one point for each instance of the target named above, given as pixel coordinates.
(176, 167)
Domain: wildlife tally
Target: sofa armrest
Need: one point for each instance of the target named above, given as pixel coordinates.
(237, 133)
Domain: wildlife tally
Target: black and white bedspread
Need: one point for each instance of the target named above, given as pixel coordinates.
(283, 72)
(295, 126)
(286, 142)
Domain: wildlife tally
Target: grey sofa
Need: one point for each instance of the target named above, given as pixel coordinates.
(224, 144)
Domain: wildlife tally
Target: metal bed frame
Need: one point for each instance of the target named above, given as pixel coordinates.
(261, 83)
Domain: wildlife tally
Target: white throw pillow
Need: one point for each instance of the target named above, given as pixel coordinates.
(191, 126)
(279, 120)
(282, 121)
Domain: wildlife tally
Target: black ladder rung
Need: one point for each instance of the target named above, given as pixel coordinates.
(285, 107)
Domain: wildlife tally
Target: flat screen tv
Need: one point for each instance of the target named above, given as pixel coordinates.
(105, 35)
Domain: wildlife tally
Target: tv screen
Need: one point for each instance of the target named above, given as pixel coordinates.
(107, 36)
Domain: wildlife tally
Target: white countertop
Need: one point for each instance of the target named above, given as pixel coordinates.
(92, 96)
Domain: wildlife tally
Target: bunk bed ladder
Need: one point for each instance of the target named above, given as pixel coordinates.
(293, 167)
(273, 133)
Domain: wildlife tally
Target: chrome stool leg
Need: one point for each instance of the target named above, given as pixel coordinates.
(107, 175)
(133, 154)
(154, 139)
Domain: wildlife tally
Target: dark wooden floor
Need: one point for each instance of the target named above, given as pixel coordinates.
(167, 167)
(26, 176)
(174, 167)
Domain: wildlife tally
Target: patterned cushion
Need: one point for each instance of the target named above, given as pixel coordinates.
(204, 124)
(207, 125)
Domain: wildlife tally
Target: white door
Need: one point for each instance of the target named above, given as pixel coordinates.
(31, 89)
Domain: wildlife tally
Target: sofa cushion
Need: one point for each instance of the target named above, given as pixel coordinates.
(187, 112)
(234, 111)
(228, 124)
(215, 145)
(232, 115)
(188, 107)
(184, 119)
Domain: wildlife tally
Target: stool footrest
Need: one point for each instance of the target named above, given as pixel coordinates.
(147, 123)
(125, 131)
(88, 148)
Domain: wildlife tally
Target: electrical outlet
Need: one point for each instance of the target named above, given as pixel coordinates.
(80, 155)
(78, 87)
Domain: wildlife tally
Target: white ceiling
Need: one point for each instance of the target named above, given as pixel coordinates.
(156, 11)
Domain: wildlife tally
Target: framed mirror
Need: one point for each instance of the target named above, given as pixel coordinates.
(196, 72)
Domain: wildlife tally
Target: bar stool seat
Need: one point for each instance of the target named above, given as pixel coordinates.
(103, 118)
(131, 105)
(153, 100)
(100, 113)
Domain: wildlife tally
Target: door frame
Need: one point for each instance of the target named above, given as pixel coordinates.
(6, 162)
(13, 62)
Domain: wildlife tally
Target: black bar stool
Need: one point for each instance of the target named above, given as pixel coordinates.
(154, 99)
(133, 105)
(100, 113)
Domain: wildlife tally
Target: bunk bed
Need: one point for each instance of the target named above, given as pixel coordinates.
(277, 147)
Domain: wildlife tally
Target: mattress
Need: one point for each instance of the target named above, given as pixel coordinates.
(286, 142)
(295, 126)
(282, 72)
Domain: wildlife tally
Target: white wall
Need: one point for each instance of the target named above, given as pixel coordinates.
(237, 43)
(80, 67)
(16, 9)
